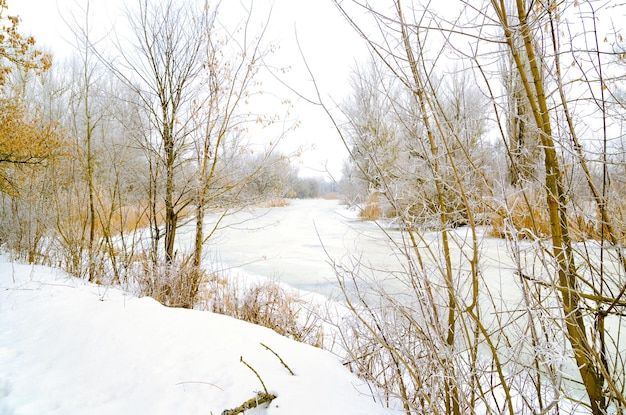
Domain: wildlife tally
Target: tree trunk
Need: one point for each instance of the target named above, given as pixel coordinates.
(170, 213)
(557, 208)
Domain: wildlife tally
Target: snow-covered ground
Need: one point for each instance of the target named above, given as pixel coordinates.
(70, 347)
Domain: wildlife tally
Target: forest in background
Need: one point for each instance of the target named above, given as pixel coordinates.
(504, 119)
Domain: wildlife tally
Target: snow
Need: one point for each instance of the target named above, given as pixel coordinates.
(71, 347)
(294, 244)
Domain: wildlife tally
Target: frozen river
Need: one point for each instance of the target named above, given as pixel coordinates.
(296, 244)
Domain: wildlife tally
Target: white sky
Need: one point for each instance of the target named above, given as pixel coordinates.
(329, 44)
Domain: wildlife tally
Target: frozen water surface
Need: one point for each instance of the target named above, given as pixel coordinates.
(295, 244)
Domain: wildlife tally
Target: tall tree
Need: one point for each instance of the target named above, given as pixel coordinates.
(169, 41)
(29, 140)
(85, 120)
(523, 144)
(522, 26)
(218, 122)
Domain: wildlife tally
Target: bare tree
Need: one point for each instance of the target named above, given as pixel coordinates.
(163, 67)
(218, 126)
(85, 120)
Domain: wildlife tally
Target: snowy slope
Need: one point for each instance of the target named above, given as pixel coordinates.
(69, 347)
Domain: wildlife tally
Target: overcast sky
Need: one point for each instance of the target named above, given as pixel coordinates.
(330, 46)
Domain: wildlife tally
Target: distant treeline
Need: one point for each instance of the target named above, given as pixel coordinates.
(312, 187)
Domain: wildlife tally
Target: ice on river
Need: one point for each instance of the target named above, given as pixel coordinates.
(294, 244)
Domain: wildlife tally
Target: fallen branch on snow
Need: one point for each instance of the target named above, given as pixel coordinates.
(260, 399)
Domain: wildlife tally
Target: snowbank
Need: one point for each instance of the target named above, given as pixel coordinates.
(69, 347)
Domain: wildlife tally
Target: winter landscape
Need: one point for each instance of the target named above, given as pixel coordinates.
(71, 347)
(279, 207)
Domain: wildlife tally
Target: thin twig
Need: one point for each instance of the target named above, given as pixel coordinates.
(279, 358)
(255, 372)
(201, 383)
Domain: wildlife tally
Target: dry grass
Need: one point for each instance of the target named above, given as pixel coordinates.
(617, 213)
(264, 303)
(267, 304)
(521, 218)
(373, 209)
(528, 218)
(274, 202)
(129, 218)
(174, 285)
(331, 196)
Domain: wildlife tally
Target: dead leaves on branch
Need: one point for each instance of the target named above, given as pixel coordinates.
(17, 50)
(26, 139)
